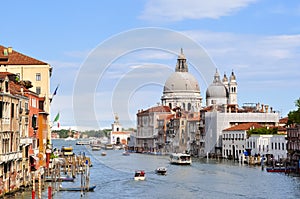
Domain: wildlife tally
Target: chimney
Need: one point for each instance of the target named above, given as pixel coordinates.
(267, 108)
(9, 49)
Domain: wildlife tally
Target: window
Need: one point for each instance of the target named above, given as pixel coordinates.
(38, 90)
(38, 76)
(12, 110)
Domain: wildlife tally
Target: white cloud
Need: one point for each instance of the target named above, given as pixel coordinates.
(178, 10)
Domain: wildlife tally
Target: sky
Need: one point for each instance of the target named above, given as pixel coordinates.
(113, 57)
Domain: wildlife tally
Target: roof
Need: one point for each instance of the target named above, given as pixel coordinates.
(244, 127)
(16, 58)
(283, 120)
(120, 132)
(156, 109)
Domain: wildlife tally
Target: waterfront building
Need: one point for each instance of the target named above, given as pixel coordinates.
(268, 145)
(117, 135)
(13, 153)
(218, 120)
(293, 145)
(31, 69)
(147, 127)
(234, 140)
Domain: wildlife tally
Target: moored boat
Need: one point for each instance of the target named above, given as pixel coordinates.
(180, 159)
(139, 175)
(125, 153)
(103, 153)
(83, 142)
(161, 170)
(96, 147)
(60, 179)
(90, 188)
(280, 169)
(67, 151)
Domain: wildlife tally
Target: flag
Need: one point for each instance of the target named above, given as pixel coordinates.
(56, 117)
(58, 124)
(55, 91)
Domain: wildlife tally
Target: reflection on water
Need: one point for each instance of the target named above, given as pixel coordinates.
(113, 175)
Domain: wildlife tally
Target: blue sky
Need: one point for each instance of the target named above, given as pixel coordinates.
(258, 39)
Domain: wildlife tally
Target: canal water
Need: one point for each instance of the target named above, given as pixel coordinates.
(113, 176)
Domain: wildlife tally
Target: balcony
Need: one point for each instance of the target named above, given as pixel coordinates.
(26, 141)
(10, 156)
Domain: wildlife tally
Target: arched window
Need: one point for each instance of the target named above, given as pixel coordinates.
(189, 106)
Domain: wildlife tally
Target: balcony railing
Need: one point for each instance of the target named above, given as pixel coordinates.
(10, 156)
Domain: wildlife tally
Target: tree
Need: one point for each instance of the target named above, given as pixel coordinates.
(294, 116)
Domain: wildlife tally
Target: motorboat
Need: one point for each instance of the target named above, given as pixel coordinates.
(83, 142)
(180, 159)
(126, 153)
(139, 175)
(103, 153)
(109, 147)
(69, 139)
(161, 170)
(96, 147)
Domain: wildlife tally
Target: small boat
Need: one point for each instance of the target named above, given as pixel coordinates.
(103, 153)
(67, 151)
(280, 169)
(109, 147)
(126, 153)
(139, 175)
(90, 188)
(83, 142)
(180, 159)
(96, 147)
(60, 179)
(70, 139)
(161, 170)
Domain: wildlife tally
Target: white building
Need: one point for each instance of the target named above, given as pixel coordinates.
(274, 145)
(117, 136)
(234, 140)
(216, 122)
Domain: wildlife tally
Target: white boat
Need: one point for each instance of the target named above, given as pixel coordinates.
(69, 139)
(103, 153)
(96, 147)
(109, 147)
(139, 175)
(83, 142)
(180, 158)
(161, 170)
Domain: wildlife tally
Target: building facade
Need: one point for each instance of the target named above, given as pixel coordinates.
(29, 69)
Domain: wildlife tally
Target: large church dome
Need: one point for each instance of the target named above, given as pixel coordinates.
(181, 82)
(181, 88)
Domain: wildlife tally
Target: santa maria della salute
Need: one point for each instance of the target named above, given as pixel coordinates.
(181, 123)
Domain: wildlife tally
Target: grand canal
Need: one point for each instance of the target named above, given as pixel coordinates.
(113, 175)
